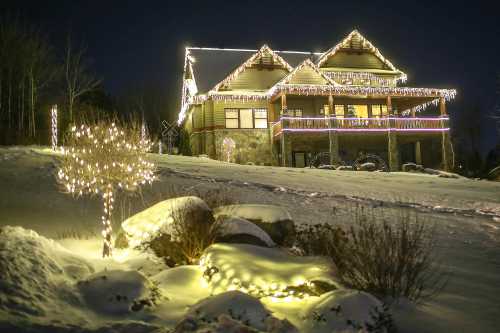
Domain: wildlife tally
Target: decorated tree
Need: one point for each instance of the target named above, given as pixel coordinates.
(102, 159)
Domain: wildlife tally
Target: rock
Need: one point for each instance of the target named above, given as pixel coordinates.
(345, 168)
(326, 167)
(262, 271)
(274, 220)
(238, 230)
(343, 310)
(157, 219)
(368, 166)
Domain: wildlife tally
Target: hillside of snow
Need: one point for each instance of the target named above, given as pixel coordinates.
(76, 290)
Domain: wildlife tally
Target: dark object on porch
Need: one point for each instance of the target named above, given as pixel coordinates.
(412, 167)
(379, 162)
(368, 166)
(322, 161)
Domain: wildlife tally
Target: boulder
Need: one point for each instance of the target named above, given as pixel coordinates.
(274, 220)
(368, 166)
(238, 230)
(326, 167)
(157, 220)
(345, 168)
(346, 310)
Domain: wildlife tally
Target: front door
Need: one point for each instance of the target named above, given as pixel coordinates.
(299, 159)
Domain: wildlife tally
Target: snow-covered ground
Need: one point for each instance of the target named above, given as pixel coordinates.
(466, 213)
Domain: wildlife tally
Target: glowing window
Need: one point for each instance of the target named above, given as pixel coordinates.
(339, 110)
(231, 118)
(379, 110)
(246, 118)
(260, 118)
(360, 111)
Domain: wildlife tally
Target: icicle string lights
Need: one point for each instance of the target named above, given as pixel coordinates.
(100, 160)
(53, 126)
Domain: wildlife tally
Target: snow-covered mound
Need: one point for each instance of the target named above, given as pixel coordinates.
(262, 271)
(37, 274)
(118, 292)
(346, 311)
(156, 219)
(238, 305)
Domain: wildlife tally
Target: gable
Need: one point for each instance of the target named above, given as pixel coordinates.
(256, 79)
(307, 75)
(264, 60)
(355, 51)
(349, 59)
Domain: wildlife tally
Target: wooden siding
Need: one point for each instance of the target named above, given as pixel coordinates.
(351, 59)
(257, 79)
(307, 75)
(218, 109)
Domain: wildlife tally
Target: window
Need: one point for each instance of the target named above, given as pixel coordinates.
(379, 111)
(246, 118)
(361, 111)
(232, 120)
(339, 110)
(260, 118)
(293, 113)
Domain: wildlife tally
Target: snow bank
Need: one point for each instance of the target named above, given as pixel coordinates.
(262, 271)
(34, 271)
(345, 311)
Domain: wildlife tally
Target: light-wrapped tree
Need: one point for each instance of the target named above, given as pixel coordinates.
(102, 159)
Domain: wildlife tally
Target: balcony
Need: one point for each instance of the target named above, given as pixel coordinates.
(296, 124)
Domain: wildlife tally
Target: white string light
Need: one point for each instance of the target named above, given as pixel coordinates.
(100, 160)
(53, 123)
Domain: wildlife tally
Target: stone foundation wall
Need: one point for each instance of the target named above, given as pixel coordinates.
(251, 146)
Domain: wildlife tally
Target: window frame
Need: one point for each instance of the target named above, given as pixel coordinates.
(238, 117)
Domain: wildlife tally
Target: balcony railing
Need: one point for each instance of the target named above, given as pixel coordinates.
(298, 124)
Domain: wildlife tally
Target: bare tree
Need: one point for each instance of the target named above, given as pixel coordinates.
(78, 78)
(101, 159)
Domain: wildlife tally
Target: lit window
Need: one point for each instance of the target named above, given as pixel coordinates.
(232, 118)
(339, 110)
(379, 111)
(360, 111)
(260, 118)
(293, 113)
(246, 118)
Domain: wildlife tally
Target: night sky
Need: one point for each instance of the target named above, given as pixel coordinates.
(438, 44)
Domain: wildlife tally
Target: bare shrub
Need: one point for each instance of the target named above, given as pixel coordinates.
(185, 240)
(390, 259)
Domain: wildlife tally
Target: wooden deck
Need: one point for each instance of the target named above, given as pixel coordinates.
(360, 125)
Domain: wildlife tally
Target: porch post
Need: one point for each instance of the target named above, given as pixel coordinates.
(393, 151)
(446, 148)
(330, 106)
(333, 137)
(418, 151)
(283, 149)
(392, 140)
(389, 106)
(283, 104)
